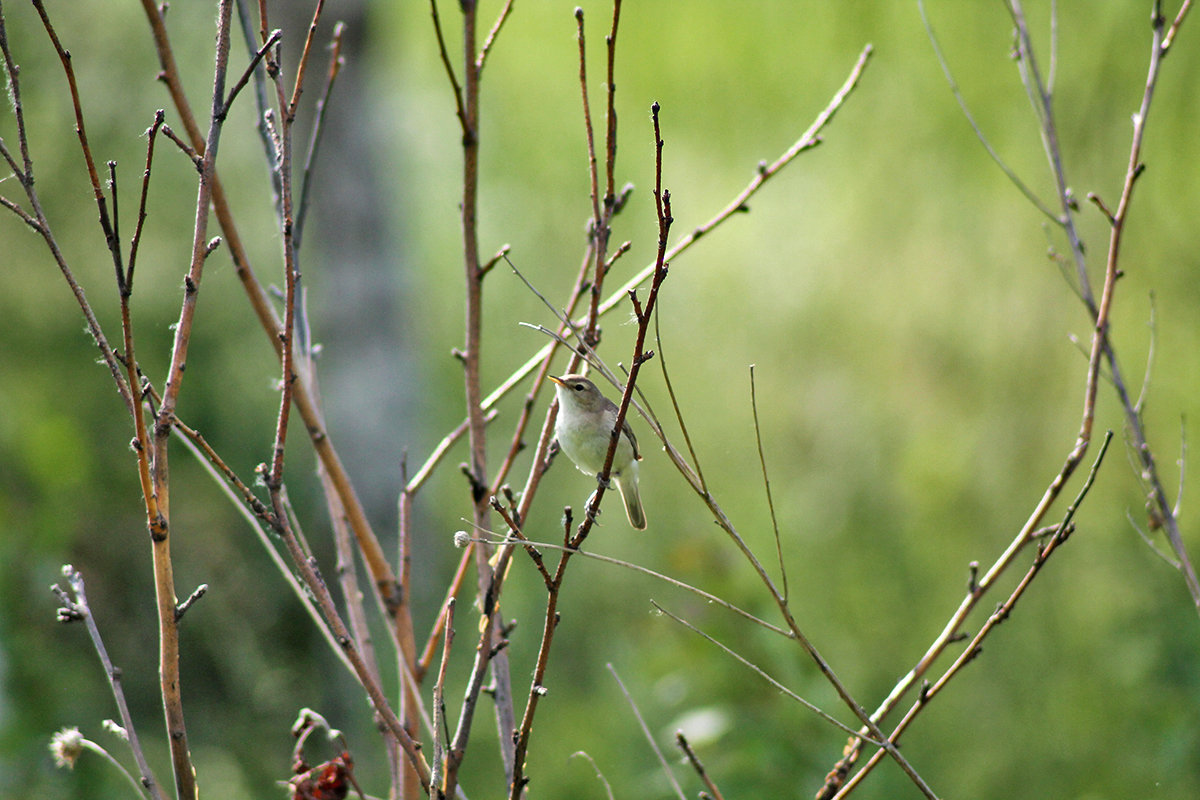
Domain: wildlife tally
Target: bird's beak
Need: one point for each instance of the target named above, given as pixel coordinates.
(559, 381)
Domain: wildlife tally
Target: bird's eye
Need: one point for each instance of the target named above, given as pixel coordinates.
(578, 387)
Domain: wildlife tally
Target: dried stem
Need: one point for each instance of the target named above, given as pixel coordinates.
(185, 780)
(77, 608)
(646, 732)
(762, 460)
(490, 651)
(759, 671)
(693, 759)
(318, 126)
(1061, 532)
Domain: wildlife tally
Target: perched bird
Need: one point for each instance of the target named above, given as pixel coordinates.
(586, 419)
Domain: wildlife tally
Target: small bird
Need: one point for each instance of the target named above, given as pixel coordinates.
(586, 419)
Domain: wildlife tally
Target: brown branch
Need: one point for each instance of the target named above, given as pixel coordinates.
(1160, 45)
(490, 40)
(298, 85)
(439, 699)
(318, 127)
(382, 576)
(683, 744)
(185, 780)
(64, 56)
(572, 542)
(454, 84)
(141, 442)
(490, 651)
(537, 686)
(255, 59)
(603, 205)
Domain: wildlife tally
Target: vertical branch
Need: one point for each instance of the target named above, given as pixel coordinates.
(405, 634)
(467, 98)
(185, 780)
(283, 167)
(1042, 100)
(603, 206)
(537, 688)
(571, 543)
(439, 695)
(141, 441)
(610, 139)
(472, 354)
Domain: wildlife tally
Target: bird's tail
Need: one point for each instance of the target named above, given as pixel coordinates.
(628, 487)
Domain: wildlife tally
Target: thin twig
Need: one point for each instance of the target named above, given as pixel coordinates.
(762, 460)
(1012, 176)
(646, 732)
(454, 85)
(318, 127)
(1100, 350)
(760, 672)
(302, 67)
(158, 507)
(440, 732)
(599, 775)
(706, 596)
(490, 39)
(275, 36)
(36, 216)
(77, 608)
(694, 760)
(489, 652)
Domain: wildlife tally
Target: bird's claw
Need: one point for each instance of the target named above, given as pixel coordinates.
(593, 515)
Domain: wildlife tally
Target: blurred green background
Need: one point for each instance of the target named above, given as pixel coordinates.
(918, 388)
